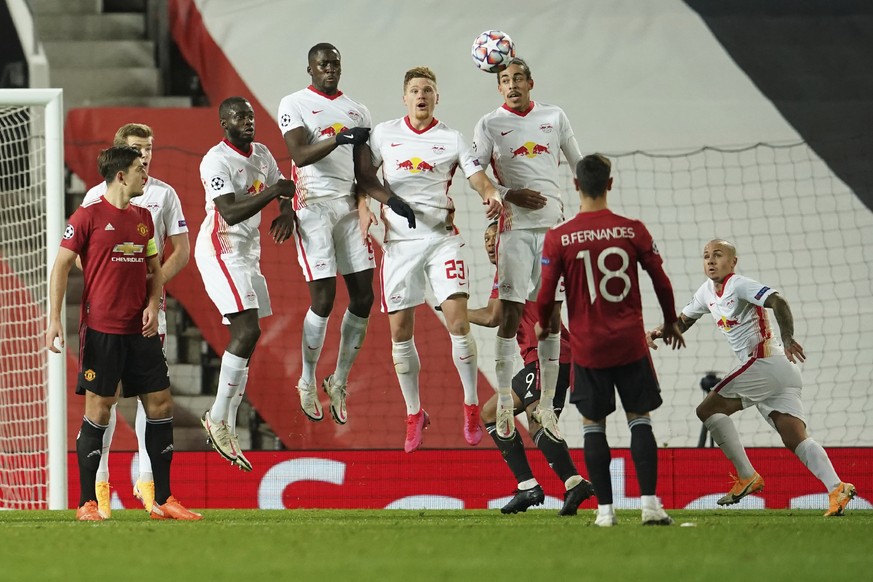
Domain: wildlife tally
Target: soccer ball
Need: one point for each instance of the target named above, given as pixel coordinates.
(491, 50)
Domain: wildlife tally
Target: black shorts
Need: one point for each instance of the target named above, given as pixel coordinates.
(526, 385)
(137, 361)
(637, 385)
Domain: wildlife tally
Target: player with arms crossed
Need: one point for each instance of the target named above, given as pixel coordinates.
(418, 155)
(240, 177)
(597, 253)
(322, 126)
(161, 200)
(119, 326)
(526, 395)
(523, 141)
(766, 377)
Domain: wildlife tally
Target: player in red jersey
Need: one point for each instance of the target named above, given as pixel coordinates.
(597, 253)
(119, 325)
(526, 387)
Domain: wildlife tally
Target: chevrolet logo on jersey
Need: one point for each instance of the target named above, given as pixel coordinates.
(129, 251)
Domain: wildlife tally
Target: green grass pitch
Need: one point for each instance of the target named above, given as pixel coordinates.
(261, 546)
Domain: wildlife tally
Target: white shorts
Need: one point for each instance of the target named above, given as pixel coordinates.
(519, 265)
(408, 264)
(328, 238)
(771, 384)
(234, 283)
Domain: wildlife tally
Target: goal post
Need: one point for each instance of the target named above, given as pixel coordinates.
(33, 407)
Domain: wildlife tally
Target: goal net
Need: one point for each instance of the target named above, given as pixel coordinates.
(797, 228)
(32, 390)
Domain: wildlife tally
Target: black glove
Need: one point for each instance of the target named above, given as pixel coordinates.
(400, 207)
(354, 136)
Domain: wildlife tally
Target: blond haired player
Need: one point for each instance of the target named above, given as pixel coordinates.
(240, 177)
(161, 200)
(322, 127)
(418, 155)
(766, 378)
(523, 141)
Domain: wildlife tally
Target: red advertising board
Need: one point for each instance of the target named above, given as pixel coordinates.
(467, 479)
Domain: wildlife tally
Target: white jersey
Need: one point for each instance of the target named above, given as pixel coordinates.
(323, 116)
(161, 200)
(418, 166)
(524, 150)
(739, 313)
(227, 170)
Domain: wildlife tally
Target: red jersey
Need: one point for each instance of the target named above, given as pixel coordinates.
(598, 253)
(527, 339)
(113, 245)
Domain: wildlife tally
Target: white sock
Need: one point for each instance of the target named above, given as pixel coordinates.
(407, 366)
(725, 435)
(549, 351)
(229, 378)
(528, 484)
(236, 401)
(466, 359)
(314, 330)
(145, 463)
(103, 469)
(607, 509)
(352, 334)
(505, 351)
(649, 502)
(817, 461)
(572, 482)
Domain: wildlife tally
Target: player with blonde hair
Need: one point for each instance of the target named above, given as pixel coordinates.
(418, 155)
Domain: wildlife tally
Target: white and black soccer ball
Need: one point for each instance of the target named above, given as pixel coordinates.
(491, 49)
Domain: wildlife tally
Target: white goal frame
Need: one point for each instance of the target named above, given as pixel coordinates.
(52, 100)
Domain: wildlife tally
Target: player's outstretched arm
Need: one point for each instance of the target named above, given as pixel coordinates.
(368, 183)
(57, 289)
(782, 311)
(489, 193)
(488, 316)
(235, 211)
(525, 198)
(683, 323)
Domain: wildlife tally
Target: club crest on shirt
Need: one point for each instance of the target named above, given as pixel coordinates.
(546, 128)
(438, 149)
(142, 229)
(355, 115)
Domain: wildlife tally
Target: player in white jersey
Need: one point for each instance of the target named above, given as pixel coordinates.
(240, 177)
(322, 126)
(767, 376)
(162, 201)
(418, 155)
(523, 141)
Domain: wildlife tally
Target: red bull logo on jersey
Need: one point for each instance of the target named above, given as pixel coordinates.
(330, 130)
(727, 324)
(530, 150)
(256, 187)
(415, 165)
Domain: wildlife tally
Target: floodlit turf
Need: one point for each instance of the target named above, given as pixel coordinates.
(261, 546)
